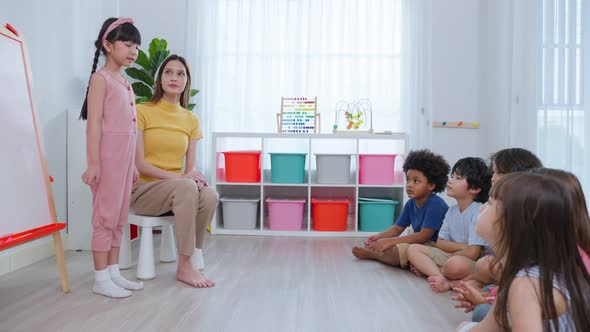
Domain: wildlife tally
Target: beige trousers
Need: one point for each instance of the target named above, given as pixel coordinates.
(193, 209)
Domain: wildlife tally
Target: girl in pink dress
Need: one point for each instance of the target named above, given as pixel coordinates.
(110, 150)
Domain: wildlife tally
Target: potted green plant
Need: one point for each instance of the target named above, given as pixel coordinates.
(145, 69)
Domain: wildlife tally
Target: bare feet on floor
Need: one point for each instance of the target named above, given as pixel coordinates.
(439, 284)
(364, 253)
(193, 278)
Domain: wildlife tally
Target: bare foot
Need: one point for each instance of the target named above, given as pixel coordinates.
(416, 271)
(193, 278)
(364, 253)
(439, 284)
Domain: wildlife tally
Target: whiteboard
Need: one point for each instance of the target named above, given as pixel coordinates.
(25, 198)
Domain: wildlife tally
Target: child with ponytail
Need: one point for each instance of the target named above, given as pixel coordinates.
(109, 109)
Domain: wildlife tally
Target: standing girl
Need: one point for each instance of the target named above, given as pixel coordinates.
(111, 132)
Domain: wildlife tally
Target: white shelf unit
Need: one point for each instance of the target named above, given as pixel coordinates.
(311, 144)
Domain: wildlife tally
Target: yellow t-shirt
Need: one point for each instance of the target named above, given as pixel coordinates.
(167, 129)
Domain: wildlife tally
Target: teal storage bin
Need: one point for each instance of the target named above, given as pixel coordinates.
(376, 215)
(287, 167)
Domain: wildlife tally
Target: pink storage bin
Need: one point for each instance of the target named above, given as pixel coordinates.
(376, 168)
(285, 214)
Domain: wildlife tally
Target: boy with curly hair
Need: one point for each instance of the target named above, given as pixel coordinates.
(426, 175)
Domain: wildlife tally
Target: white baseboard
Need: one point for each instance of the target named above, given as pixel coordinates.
(26, 254)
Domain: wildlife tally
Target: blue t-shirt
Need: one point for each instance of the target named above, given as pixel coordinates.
(429, 215)
(460, 226)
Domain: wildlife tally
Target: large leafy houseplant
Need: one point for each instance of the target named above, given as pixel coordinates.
(146, 69)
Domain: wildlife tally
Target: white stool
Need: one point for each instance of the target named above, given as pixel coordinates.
(146, 267)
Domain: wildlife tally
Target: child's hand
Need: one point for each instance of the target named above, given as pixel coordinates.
(469, 307)
(469, 293)
(135, 175)
(91, 176)
(382, 244)
(372, 239)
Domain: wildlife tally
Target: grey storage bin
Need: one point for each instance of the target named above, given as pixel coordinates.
(239, 213)
(333, 168)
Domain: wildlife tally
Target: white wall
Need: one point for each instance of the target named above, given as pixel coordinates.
(159, 19)
(455, 77)
(471, 65)
(496, 73)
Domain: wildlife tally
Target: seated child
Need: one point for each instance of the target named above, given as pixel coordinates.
(502, 162)
(471, 299)
(458, 246)
(426, 174)
(544, 285)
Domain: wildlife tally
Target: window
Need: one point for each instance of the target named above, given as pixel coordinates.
(251, 53)
(563, 89)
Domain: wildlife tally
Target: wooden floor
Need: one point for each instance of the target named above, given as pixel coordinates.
(263, 284)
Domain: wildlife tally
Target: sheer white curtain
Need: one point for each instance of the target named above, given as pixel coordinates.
(247, 54)
(550, 82)
(416, 74)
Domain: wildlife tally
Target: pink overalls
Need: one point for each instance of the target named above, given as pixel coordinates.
(110, 198)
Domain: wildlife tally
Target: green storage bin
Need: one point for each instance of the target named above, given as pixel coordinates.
(376, 215)
(287, 167)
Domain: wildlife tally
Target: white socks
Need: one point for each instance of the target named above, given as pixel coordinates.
(197, 260)
(103, 285)
(110, 283)
(118, 279)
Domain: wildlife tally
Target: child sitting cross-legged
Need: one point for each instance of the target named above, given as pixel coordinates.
(458, 246)
(426, 175)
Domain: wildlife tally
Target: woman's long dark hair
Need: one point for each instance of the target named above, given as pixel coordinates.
(159, 91)
(537, 228)
(124, 32)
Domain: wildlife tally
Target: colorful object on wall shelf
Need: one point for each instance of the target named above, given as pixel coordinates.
(354, 117)
(298, 116)
(456, 124)
(11, 29)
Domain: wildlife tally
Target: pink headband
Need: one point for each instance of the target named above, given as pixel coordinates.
(115, 24)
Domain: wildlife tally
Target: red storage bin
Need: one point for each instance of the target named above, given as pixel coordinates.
(242, 166)
(329, 214)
